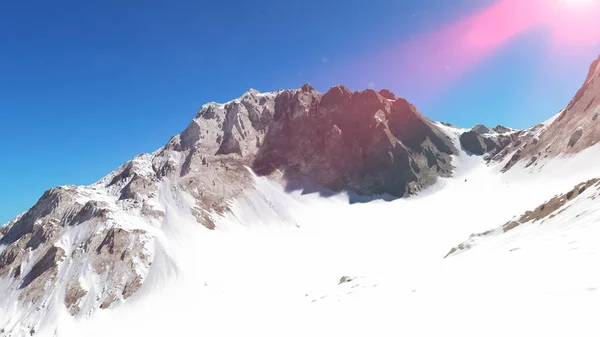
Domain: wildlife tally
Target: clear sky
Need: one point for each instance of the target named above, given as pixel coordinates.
(87, 85)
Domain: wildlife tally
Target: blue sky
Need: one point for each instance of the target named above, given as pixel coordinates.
(86, 85)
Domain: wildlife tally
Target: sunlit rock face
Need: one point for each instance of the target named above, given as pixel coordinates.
(361, 141)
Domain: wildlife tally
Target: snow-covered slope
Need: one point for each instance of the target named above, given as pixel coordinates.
(273, 265)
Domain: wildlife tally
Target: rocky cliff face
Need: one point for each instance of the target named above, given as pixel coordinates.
(90, 247)
(364, 142)
(482, 140)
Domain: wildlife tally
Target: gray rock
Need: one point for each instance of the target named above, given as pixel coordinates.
(575, 136)
(501, 129)
(480, 129)
(472, 142)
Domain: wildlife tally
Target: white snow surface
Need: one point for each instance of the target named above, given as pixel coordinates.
(272, 266)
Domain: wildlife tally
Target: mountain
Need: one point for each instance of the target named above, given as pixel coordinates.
(573, 130)
(91, 247)
(247, 221)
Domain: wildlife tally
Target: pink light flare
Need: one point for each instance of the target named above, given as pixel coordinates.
(440, 58)
(570, 21)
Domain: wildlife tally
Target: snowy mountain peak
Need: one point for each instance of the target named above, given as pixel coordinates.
(81, 249)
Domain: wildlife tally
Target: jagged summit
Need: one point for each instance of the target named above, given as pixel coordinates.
(273, 126)
(388, 94)
(307, 88)
(339, 139)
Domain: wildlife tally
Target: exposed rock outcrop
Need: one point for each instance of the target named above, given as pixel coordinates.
(41, 275)
(480, 129)
(74, 294)
(473, 142)
(501, 129)
(361, 142)
(547, 210)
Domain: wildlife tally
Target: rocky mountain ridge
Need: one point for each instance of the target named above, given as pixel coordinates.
(89, 247)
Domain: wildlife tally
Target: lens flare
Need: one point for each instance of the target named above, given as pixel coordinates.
(578, 3)
(439, 58)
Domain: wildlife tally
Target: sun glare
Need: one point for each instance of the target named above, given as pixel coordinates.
(579, 4)
(576, 22)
